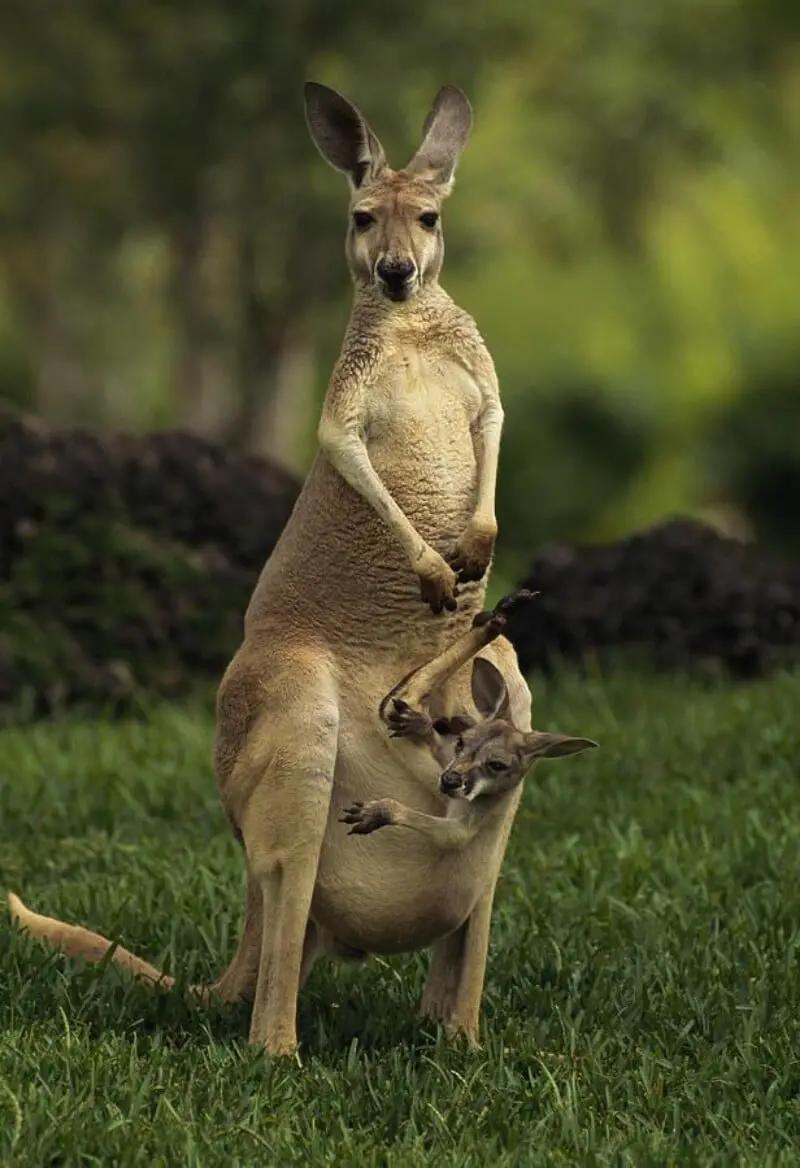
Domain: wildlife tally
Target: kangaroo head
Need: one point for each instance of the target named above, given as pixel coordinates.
(492, 757)
(394, 239)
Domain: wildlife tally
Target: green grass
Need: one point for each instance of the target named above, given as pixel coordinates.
(642, 998)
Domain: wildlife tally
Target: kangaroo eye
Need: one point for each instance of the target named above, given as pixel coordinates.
(459, 746)
(429, 219)
(496, 765)
(362, 220)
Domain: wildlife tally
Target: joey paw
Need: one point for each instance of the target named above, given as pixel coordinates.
(366, 817)
(406, 722)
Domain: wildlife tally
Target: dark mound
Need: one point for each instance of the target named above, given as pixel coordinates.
(680, 589)
(126, 563)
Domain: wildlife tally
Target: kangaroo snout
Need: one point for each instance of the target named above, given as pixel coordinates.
(395, 277)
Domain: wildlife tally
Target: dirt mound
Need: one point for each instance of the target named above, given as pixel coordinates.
(126, 563)
(680, 589)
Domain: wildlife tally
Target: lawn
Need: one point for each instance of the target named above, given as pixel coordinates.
(642, 1002)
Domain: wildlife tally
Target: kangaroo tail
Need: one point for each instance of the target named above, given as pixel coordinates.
(76, 941)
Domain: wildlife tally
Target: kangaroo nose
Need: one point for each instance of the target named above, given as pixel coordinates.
(395, 271)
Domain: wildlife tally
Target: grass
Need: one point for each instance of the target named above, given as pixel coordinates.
(642, 998)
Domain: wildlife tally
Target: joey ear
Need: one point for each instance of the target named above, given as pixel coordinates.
(342, 134)
(489, 692)
(444, 136)
(452, 727)
(539, 744)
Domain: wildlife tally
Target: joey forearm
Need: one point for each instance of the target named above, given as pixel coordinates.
(416, 688)
(444, 834)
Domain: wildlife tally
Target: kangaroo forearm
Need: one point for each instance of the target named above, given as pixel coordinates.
(348, 455)
(487, 457)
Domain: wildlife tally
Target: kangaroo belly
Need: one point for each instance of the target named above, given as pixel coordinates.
(389, 893)
(394, 891)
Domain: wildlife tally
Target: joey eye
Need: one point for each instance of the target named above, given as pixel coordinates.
(429, 219)
(459, 746)
(496, 765)
(362, 220)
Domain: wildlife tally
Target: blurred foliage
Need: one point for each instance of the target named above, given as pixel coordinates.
(754, 454)
(626, 229)
(584, 452)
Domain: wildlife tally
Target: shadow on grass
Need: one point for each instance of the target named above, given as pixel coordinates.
(373, 1006)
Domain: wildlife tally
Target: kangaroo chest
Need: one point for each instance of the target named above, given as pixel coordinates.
(420, 434)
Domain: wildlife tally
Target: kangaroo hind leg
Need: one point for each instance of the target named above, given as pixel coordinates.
(238, 982)
(283, 826)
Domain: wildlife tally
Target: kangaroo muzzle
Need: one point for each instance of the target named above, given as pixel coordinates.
(396, 278)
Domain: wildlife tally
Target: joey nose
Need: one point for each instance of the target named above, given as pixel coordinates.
(449, 783)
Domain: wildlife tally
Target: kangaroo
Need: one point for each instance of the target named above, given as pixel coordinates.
(482, 763)
(381, 565)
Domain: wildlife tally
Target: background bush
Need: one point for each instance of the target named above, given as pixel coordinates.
(127, 563)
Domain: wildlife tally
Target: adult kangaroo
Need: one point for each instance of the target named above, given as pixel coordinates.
(396, 518)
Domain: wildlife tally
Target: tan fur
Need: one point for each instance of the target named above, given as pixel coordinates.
(404, 481)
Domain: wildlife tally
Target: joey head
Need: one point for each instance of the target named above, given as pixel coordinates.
(482, 759)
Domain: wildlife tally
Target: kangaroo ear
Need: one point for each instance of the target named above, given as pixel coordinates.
(342, 134)
(541, 745)
(444, 136)
(489, 692)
